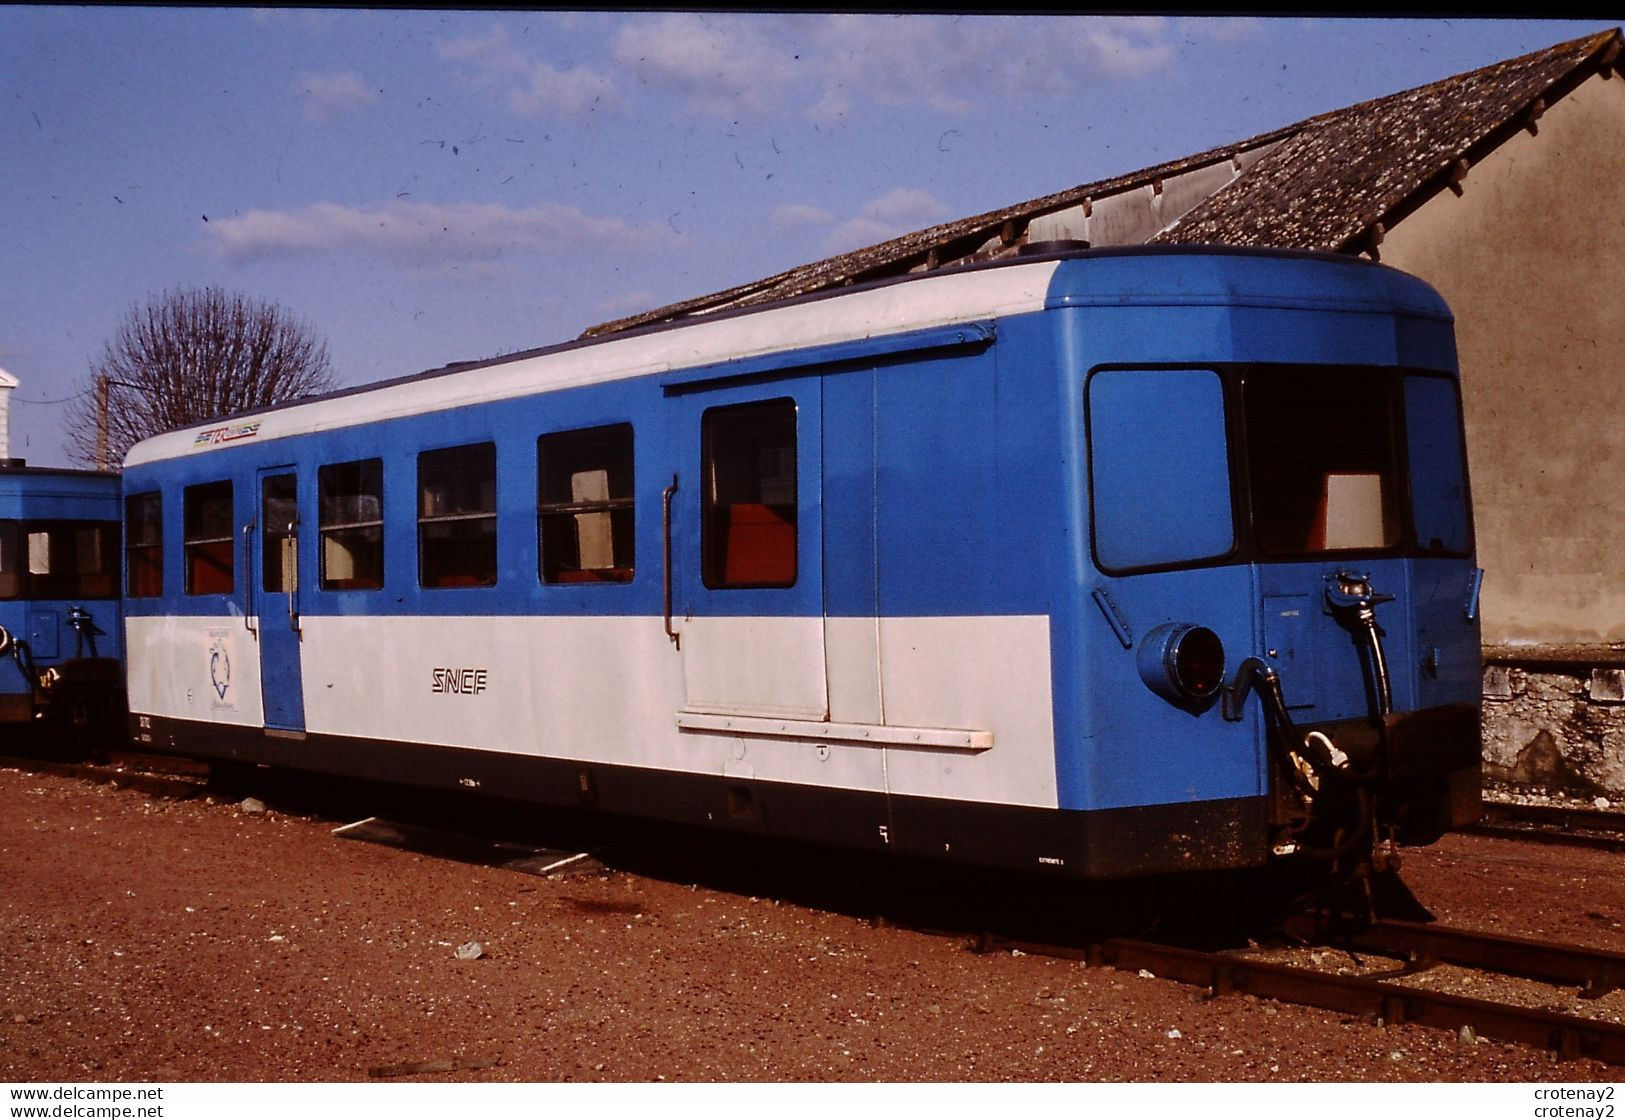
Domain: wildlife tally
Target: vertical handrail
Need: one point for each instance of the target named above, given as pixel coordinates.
(293, 578)
(248, 578)
(665, 530)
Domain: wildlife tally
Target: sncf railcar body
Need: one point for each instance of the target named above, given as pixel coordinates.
(1107, 563)
(61, 630)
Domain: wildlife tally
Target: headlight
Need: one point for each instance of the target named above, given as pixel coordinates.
(1182, 663)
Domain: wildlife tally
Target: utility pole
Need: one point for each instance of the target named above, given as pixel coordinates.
(104, 385)
(101, 422)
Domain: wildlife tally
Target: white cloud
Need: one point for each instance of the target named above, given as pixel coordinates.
(492, 54)
(832, 108)
(722, 65)
(898, 212)
(327, 97)
(425, 232)
(532, 86)
(903, 59)
(952, 65)
(1222, 29)
(906, 204)
(568, 91)
(1126, 47)
(795, 215)
(827, 67)
(628, 303)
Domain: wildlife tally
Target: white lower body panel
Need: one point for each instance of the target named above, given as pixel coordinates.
(956, 708)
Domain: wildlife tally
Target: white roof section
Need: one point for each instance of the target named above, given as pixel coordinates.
(915, 304)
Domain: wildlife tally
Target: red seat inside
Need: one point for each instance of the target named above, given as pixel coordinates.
(759, 545)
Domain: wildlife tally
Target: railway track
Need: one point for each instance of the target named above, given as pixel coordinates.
(157, 775)
(1391, 996)
(1598, 829)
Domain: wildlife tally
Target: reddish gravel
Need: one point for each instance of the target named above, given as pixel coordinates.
(192, 941)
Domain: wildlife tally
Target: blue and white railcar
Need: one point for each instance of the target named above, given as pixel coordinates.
(61, 631)
(1106, 563)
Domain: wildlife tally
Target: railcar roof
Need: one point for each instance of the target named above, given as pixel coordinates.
(15, 470)
(890, 306)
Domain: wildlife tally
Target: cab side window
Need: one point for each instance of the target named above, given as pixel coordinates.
(748, 476)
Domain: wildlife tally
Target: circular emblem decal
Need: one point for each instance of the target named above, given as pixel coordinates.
(220, 667)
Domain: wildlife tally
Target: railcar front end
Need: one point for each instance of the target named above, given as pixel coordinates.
(61, 629)
(1281, 638)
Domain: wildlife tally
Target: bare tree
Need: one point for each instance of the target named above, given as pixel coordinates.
(192, 355)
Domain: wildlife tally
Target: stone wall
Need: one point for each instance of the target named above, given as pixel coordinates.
(1555, 725)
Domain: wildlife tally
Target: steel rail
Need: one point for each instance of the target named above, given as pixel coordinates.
(174, 786)
(1569, 1036)
(1534, 834)
(1600, 829)
(1224, 973)
(1596, 972)
(1556, 816)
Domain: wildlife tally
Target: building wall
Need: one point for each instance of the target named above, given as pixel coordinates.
(7, 384)
(1530, 260)
(1529, 257)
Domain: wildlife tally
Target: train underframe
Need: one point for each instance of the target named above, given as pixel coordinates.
(1420, 778)
(75, 706)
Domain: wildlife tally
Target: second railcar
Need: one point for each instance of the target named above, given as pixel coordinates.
(61, 628)
(1105, 564)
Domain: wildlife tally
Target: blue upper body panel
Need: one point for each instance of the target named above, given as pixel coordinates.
(973, 443)
(49, 494)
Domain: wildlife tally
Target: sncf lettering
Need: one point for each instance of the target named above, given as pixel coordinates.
(460, 682)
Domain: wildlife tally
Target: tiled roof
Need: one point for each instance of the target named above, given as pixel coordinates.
(1332, 182)
(1377, 161)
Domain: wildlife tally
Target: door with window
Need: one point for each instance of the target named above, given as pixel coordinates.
(747, 561)
(281, 678)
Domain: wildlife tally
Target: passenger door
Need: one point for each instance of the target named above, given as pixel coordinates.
(281, 676)
(748, 595)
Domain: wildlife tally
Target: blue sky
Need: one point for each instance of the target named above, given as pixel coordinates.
(425, 187)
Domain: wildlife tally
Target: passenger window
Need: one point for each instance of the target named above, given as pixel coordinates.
(584, 505)
(350, 515)
(209, 548)
(11, 576)
(279, 519)
(58, 559)
(1438, 466)
(1159, 467)
(457, 522)
(144, 546)
(1320, 453)
(748, 515)
(39, 554)
(72, 559)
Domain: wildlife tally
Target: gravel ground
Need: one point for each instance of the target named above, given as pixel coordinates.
(149, 940)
